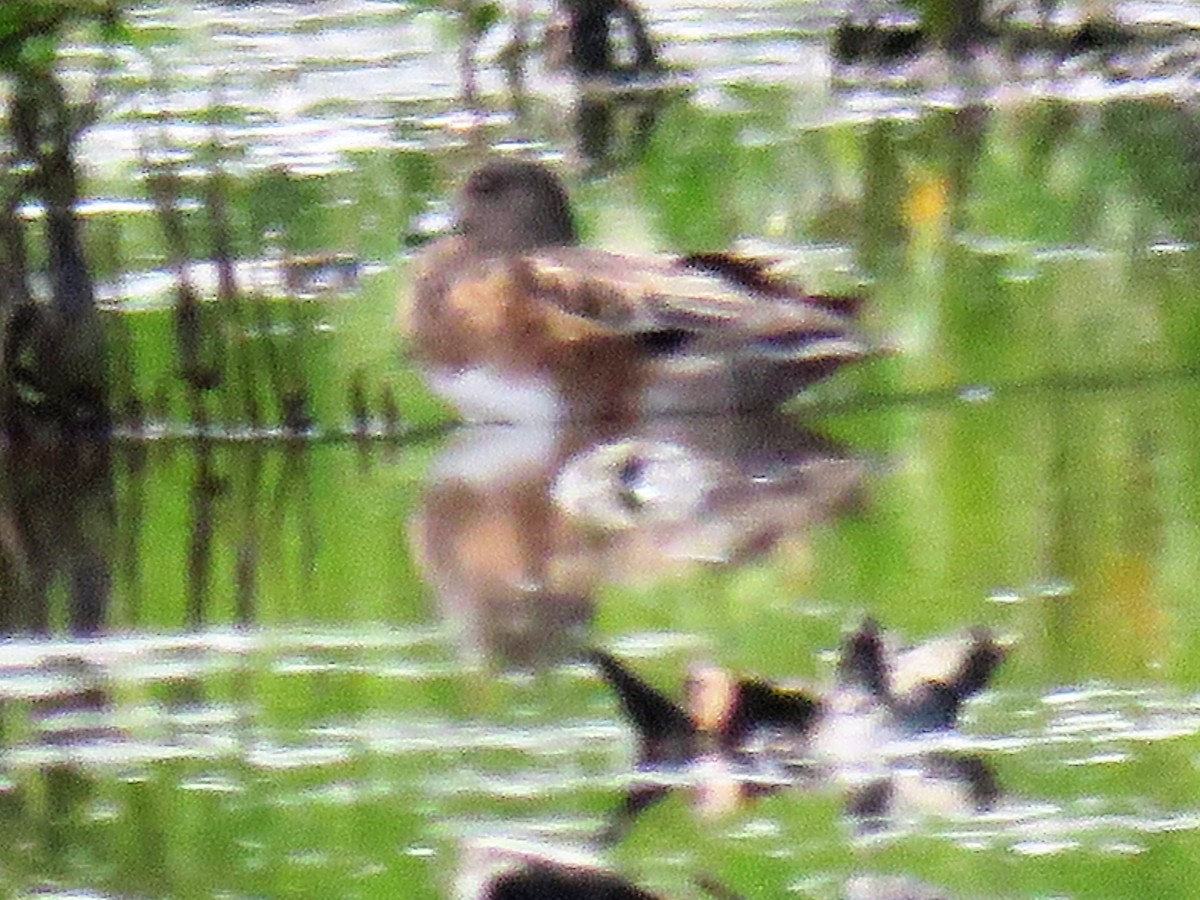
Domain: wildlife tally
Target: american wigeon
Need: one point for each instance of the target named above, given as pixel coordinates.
(514, 321)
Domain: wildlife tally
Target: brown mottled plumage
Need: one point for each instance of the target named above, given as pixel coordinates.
(514, 320)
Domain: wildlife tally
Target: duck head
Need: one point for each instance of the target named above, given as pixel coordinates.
(511, 206)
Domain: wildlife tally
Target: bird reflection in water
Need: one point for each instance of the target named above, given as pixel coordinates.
(519, 526)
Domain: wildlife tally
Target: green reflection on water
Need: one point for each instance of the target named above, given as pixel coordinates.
(1036, 252)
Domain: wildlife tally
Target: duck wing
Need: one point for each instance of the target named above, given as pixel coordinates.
(756, 275)
(863, 661)
(963, 662)
(691, 295)
(762, 705)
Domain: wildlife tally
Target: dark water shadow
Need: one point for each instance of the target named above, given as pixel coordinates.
(57, 505)
(613, 129)
(57, 537)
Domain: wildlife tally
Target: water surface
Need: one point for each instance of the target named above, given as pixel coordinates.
(244, 665)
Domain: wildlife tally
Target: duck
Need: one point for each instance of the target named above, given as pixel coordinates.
(924, 686)
(739, 737)
(513, 320)
(879, 687)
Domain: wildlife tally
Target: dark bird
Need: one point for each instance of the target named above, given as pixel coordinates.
(878, 688)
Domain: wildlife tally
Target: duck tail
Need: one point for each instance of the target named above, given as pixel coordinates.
(665, 731)
(774, 368)
(982, 659)
(862, 663)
